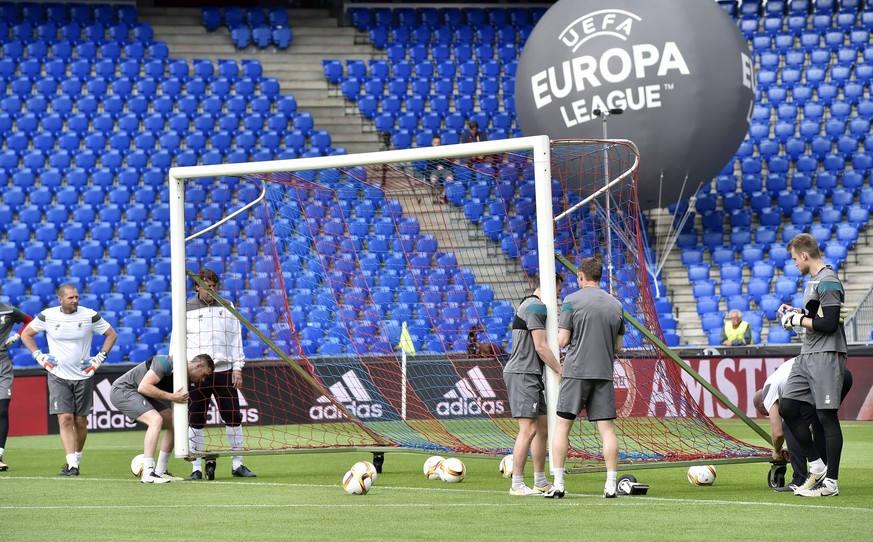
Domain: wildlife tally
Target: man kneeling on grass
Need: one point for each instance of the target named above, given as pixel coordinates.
(140, 394)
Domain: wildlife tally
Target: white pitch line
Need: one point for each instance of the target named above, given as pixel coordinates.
(636, 501)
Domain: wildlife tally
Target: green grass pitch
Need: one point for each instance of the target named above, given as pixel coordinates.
(299, 497)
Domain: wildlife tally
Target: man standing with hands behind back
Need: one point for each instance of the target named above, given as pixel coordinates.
(592, 325)
(213, 330)
(69, 329)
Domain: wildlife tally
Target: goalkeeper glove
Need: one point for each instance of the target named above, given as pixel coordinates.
(844, 312)
(12, 339)
(48, 361)
(92, 364)
(791, 320)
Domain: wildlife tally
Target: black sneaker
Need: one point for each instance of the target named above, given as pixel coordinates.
(69, 471)
(196, 475)
(209, 470)
(786, 489)
(243, 472)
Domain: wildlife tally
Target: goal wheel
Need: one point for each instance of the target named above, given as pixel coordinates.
(624, 483)
(776, 476)
(209, 471)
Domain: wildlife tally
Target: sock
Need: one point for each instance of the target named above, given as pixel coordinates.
(517, 481)
(163, 459)
(816, 466)
(830, 483)
(78, 458)
(195, 441)
(235, 439)
(1, 452)
(72, 460)
(559, 478)
(148, 463)
(540, 479)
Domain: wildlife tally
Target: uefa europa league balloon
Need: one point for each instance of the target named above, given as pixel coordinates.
(680, 71)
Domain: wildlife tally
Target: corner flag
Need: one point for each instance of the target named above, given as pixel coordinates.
(406, 343)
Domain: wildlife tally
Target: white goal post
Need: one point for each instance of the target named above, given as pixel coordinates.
(538, 146)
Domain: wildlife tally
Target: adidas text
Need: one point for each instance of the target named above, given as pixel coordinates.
(359, 410)
(468, 407)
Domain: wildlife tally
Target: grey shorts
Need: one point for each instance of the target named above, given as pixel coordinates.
(527, 397)
(597, 397)
(70, 396)
(5, 379)
(817, 378)
(134, 404)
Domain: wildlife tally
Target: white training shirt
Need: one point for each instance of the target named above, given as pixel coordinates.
(69, 338)
(775, 383)
(213, 330)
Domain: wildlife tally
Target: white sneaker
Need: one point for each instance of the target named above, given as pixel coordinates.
(523, 491)
(168, 476)
(609, 491)
(151, 478)
(554, 493)
(820, 490)
(811, 480)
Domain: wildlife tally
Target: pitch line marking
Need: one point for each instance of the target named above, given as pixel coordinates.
(641, 501)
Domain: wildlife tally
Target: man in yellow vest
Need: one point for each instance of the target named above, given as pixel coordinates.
(736, 332)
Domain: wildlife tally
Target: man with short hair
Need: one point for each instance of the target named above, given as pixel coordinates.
(141, 394)
(816, 377)
(213, 330)
(736, 332)
(592, 326)
(69, 329)
(9, 316)
(523, 375)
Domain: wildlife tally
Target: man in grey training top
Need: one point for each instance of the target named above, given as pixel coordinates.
(141, 394)
(523, 375)
(816, 377)
(592, 326)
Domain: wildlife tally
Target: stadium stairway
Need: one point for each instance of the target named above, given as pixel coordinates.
(854, 273)
(468, 243)
(298, 68)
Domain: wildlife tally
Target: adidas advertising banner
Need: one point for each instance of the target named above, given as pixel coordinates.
(679, 72)
(351, 385)
(461, 389)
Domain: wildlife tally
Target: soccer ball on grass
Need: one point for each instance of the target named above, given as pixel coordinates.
(432, 467)
(366, 467)
(357, 482)
(137, 465)
(452, 470)
(506, 466)
(701, 475)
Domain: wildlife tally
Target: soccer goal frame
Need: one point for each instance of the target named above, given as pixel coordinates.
(275, 227)
(538, 146)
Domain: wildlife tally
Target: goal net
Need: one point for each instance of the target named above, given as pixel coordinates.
(331, 263)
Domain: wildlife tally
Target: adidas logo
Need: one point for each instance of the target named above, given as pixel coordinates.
(249, 414)
(466, 398)
(352, 394)
(104, 415)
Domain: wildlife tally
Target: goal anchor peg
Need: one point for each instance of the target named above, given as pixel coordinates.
(627, 485)
(776, 476)
(378, 459)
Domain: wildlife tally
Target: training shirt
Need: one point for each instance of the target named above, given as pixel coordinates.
(775, 383)
(9, 317)
(213, 330)
(530, 315)
(595, 320)
(824, 290)
(69, 338)
(160, 365)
